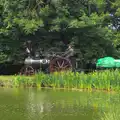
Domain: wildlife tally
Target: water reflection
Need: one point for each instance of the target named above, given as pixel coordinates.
(37, 105)
(29, 104)
(58, 105)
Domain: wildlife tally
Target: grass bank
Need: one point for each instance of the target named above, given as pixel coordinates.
(103, 80)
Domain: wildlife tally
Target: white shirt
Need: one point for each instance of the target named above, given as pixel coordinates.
(27, 50)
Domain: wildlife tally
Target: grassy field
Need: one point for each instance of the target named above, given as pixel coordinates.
(102, 80)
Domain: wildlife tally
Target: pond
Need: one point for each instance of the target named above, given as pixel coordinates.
(46, 104)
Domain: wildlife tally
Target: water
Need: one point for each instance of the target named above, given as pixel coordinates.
(34, 104)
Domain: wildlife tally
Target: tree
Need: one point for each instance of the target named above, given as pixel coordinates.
(92, 24)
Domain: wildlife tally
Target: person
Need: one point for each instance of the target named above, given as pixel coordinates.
(28, 48)
(69, 53)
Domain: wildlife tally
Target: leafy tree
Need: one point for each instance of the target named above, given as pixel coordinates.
(93, 25)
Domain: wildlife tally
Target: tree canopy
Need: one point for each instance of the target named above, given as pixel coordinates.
(93, 25)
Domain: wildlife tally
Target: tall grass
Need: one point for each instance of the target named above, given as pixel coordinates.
(104, 80)
(112, 114)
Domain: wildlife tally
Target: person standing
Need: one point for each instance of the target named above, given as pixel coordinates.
(69, 53)
(28, 48)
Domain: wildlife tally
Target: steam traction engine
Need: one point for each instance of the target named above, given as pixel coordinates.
(49, 61)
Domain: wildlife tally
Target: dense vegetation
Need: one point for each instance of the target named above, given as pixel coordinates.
(103, 80)
(92, 25)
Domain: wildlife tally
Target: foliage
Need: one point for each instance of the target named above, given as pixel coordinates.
(81, 21)
(102, 80)
(2, 57)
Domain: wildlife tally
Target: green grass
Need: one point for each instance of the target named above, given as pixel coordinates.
(103, 80)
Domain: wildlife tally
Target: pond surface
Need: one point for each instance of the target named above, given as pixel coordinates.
(34, 104)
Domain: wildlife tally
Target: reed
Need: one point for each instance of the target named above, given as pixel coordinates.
(103, 80)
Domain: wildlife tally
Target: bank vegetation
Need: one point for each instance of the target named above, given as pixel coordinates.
(108, 80)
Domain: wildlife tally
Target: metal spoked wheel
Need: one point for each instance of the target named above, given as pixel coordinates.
(27, 70)
(60, 64)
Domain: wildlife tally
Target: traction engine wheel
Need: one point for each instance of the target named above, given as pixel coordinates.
(27, 70)
(60, 64)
